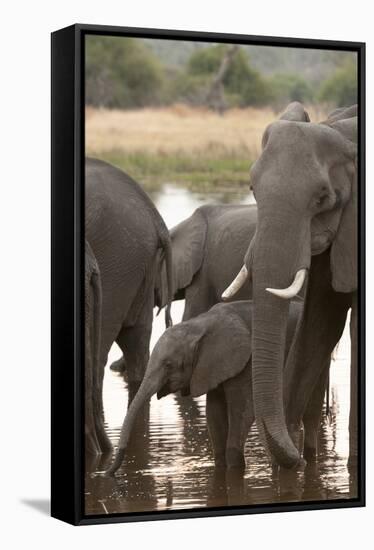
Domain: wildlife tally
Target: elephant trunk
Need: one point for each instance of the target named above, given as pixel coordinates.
(276, 259)
(150, 385)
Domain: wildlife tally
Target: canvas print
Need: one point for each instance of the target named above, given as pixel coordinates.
(221, 275)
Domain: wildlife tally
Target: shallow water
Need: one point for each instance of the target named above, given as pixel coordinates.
(171, 465)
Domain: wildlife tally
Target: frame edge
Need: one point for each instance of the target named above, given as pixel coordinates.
(64, 466)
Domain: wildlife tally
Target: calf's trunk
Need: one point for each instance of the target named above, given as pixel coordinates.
(149, 386)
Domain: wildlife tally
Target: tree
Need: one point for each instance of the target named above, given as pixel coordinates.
(341, 88)
(239, 82)
(287, 87)
(121, 72)
(215, 98)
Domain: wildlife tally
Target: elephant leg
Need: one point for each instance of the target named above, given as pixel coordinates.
(216, 415)
(98, 407)
(97, 440)
(199, 297)
(238, 392)
(105, 443)
(98, 403)
(119, 365)
(313, 414)
(319, 330)
(353, 414)
(92, 445)
(134, 343)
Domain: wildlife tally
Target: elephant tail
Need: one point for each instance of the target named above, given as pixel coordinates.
(169, 278)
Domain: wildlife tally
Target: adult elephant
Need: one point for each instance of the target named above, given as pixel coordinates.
(207, 251)
(130, 242)
(305, 185)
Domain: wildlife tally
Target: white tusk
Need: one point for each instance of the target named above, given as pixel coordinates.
(292, 290)
(237, 283)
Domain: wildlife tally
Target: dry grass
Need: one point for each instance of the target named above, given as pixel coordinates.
(197, 147)
(178, 129)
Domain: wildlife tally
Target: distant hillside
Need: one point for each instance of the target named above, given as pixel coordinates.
(313, 65)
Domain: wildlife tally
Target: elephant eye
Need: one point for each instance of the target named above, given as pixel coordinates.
(338, 199)
(167, 365)
(322, 199)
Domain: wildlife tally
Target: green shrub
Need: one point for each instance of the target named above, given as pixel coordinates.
(287, 87)
(341, 88)
(206, 61)
(121, 72)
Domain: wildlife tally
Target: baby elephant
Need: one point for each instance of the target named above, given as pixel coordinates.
(209, 354)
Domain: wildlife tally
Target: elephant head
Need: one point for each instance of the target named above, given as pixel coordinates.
(305, 184)
(190, 357)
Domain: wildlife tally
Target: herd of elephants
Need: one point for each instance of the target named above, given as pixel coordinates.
(267, 290)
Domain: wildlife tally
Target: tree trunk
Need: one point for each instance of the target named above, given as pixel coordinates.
(215, 98)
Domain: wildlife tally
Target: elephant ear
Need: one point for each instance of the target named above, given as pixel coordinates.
(344, 247)
(295, 112)
(342, 113)
(222, 352)
(188, 244)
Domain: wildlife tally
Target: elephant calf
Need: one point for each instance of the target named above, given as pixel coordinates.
(208, 354)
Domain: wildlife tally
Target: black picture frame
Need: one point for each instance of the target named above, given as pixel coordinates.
(68, 146)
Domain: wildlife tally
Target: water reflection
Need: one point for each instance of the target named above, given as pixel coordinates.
(170, 465)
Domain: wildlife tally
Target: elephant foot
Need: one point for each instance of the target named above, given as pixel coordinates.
(235, 459)
(119, 365)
